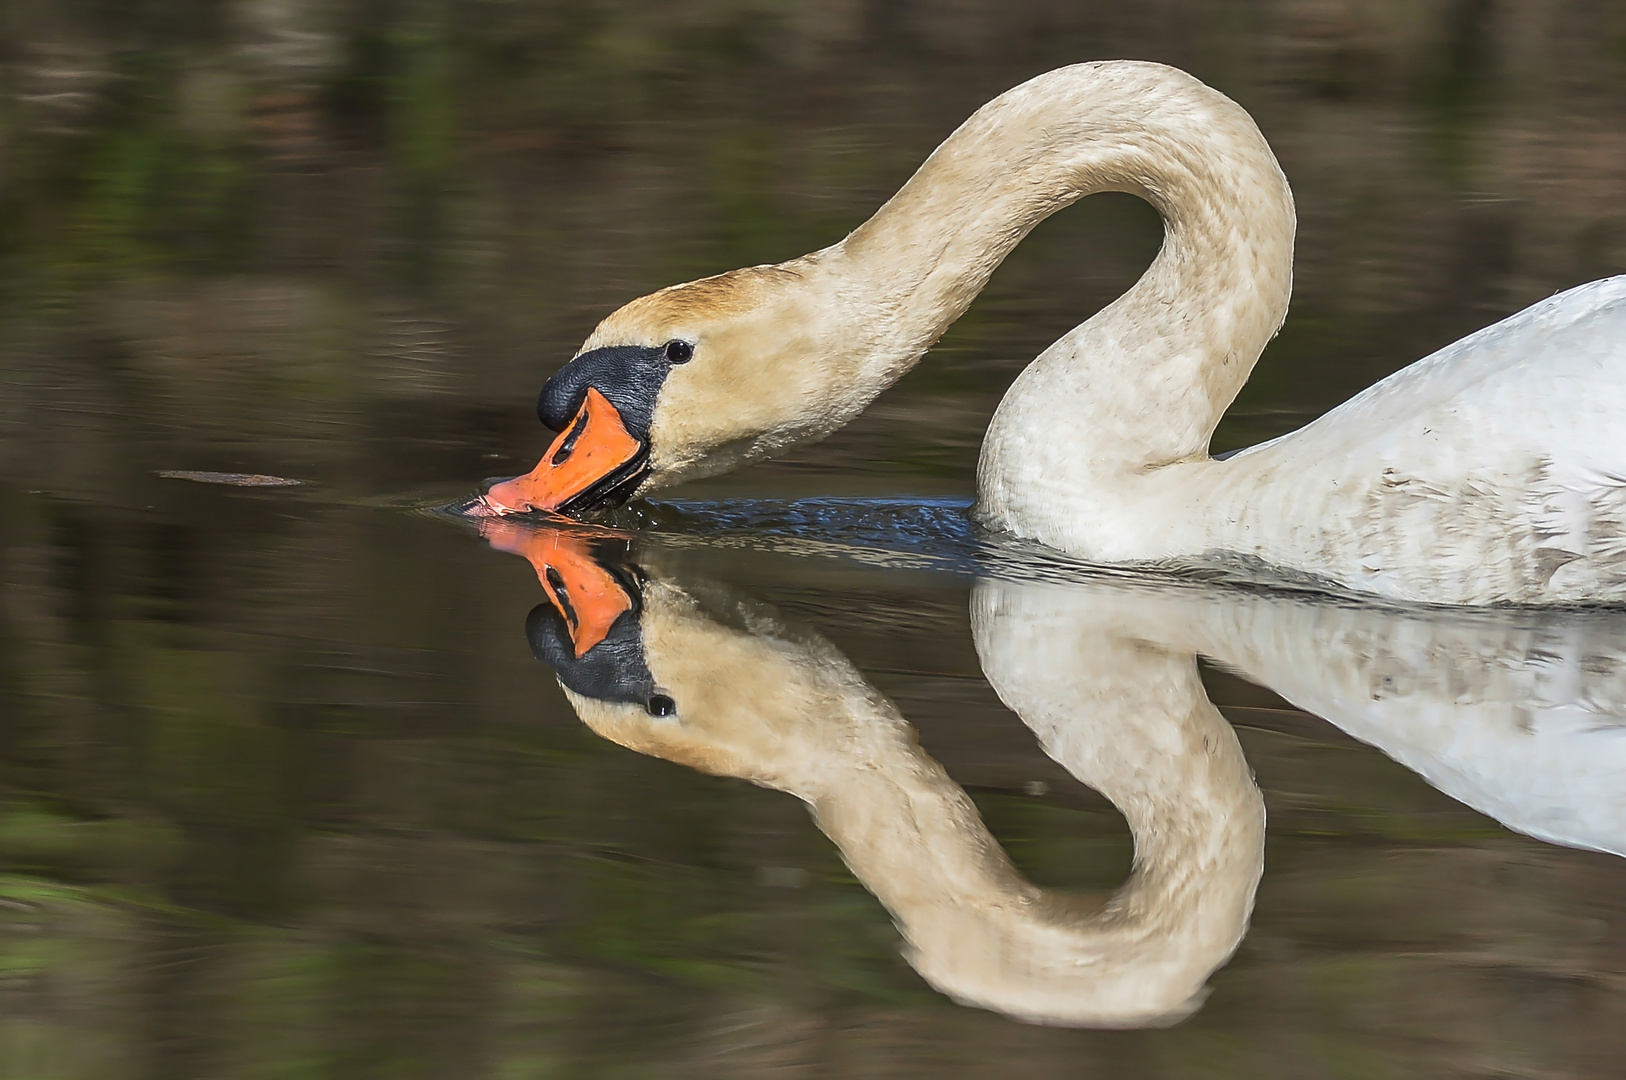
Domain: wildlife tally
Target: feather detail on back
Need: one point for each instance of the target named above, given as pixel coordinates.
(1489, 472)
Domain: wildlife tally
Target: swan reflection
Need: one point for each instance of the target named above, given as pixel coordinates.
(1518, 714)
(694, 673)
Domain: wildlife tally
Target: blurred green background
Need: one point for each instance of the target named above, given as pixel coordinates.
(281, 791)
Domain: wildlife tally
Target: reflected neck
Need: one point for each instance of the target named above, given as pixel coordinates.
(982, 933)
(791, 713)
(1132, 720)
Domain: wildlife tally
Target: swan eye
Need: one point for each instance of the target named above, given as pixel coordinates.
(678, 352)
(660, 705)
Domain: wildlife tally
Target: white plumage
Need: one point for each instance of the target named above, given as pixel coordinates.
(1492, 471)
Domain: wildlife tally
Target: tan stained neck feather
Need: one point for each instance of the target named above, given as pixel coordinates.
(1146, 380)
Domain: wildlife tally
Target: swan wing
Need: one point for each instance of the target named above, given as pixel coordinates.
(1491, 471)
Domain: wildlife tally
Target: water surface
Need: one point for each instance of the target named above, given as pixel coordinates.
(283, 788)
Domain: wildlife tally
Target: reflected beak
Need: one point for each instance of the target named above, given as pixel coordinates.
(596, 461)
(587, 596)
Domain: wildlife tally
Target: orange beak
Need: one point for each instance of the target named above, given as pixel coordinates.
(594, 456)
(588, 597)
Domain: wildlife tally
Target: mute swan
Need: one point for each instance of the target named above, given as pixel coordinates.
(684, 671)
(1494, 471)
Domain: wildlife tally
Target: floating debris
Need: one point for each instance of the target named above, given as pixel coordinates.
(234, 479)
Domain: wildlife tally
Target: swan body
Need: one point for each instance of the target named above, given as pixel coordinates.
(1490, 472)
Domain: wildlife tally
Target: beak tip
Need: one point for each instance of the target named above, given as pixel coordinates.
(594, 451)
(504, 499)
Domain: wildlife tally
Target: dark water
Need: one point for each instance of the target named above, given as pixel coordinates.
(283, 791)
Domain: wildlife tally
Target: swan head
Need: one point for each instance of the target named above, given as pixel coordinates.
(690, 381)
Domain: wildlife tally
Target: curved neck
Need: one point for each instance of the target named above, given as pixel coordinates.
(1145, 380)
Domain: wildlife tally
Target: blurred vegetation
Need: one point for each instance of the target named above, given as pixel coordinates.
(281, 792)
(492, 177)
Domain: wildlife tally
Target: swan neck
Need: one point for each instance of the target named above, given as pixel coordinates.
(1180, 344)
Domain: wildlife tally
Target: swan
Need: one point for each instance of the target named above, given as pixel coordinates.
(1492, 472)
(687, 671)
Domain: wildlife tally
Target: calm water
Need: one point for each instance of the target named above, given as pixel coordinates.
(284, 790)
